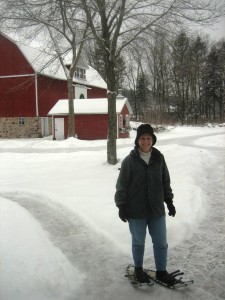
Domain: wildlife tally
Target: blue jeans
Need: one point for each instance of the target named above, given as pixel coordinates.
(157, 231)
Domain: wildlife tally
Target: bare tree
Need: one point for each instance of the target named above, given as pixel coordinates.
(62, 25)
(115, 24)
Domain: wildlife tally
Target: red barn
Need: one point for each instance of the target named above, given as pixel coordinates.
(91, 118)
(31, 82)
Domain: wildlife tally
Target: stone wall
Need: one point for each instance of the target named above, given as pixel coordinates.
(10, 128)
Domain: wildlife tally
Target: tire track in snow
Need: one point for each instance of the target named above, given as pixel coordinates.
(203, 255)
(186, 140)
(89, 251)
(93, 255)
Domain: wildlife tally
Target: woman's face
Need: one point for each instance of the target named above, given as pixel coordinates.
(145, 142)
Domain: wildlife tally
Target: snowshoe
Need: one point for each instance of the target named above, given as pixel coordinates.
(137, 276)
(170, 280)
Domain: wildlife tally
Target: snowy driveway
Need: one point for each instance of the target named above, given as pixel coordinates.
(61, 237)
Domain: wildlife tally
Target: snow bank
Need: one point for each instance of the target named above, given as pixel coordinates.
(32, 267)
(83, 183)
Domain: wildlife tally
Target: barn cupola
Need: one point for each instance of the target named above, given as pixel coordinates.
(120, 95)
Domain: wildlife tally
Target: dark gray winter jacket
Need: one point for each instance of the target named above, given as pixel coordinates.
(143, 187)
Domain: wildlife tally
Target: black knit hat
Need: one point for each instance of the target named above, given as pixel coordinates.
(145, 128)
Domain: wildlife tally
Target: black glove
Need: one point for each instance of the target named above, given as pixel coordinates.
(123, 213)
(171, 207)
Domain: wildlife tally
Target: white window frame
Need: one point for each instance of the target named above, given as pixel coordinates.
(80, 73)
(21, 121)
(80, 89)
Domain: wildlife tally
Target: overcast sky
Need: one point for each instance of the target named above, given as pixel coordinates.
(218, 30)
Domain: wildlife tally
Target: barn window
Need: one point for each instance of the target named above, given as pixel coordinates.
(21, 121)
(80, 73)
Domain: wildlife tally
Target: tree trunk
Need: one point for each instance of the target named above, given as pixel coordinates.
(71, 123)
(112, 129)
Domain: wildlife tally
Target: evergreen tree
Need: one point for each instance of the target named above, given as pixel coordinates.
(181, 71)
(212, 83)
(96, 60)
(198, 53)
(142, 93)
(221, 89)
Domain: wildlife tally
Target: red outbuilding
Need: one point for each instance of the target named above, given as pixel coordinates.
(31, 82)
(91, 118)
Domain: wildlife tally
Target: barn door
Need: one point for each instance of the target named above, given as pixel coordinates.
(59, 129)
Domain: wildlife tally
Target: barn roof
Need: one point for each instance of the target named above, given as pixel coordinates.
(88, 106)
(47, 64)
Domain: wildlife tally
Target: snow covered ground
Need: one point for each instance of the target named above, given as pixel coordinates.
(60, 235)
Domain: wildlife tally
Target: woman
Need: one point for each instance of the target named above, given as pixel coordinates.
(142, 188)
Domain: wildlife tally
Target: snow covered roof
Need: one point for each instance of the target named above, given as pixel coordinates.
(88, 106)
(47, 64)
(42, 62)
(92, 78)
